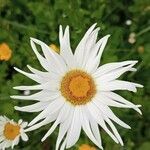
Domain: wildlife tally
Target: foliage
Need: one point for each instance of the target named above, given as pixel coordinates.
(22, 19)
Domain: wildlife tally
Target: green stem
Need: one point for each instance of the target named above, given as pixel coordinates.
(143, 31)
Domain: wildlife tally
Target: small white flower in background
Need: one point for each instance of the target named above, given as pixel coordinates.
(26, 92)
(75, 92)
(132, 38)
(128, 22)
(10, 132)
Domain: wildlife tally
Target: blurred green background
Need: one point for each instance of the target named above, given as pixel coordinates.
(128, 22)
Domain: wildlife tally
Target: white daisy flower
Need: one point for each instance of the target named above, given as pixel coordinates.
(10, 132)
(75, 92)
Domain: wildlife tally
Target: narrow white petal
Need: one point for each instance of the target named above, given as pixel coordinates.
(106, 68)
(104, 99)
(62, 115)
(52, 57)
(50, 130)
(64, 127)
(120, 99)
(114, 74)
(87, 129)
(43, 95)
(39, 106)
(75, 128)
(65, 48)
(89, 45)
(48, 119)
(51, 108)
(46, 75)
(117, 85)
(52, 85)
(41, 59)
(113, 129)
(98, 117)
(79, 52)
(95, 129)
(31, 76)
(96, 54)
(60, 34)
(63, 145)
(108, 112)
(101, 45)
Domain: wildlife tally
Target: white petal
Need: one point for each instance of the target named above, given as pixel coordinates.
(41, 59)
(87, 129)
(80, 50)
(43, 95)
(96, 54)
(24, 137)
(45, 75)
(20, 121)
(52, 85)
(63, 145)
(104, 99)
(117, 85)
(106, 68)
(114, 74)
(62, 115)
(54, 59)
(75, 128)
(24, 124)
(120, 99)
(65, 48)
(89, 45)
(95, 129)
(48, 119)
(100, 120)
(51, 108)
(108, 112)
(113, 129)
(39, 106)
(60, 34)
(64, 127)
(31, 76)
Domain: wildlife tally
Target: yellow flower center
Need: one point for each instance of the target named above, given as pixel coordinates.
(78, 87)
(11, 131)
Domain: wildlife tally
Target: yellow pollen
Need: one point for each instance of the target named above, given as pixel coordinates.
(78, 87)
(11, 131)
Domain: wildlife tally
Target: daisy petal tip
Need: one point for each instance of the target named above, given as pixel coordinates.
(12, 97)
(15, 68)
(140, 112)
(16, 108)
(31, 39)
(122, 144)
(15, 88)
(30, 124)
(43, 139)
